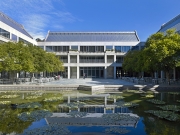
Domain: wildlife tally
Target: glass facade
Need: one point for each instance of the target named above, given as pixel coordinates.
(92, 48)
(57, 48)
(63, 74)
(122, 48)
(91, 59)
(110, 59)
(42, 47)
(23, 40)
(14, 37)
(109, 47)
(64, 59)
(92, 72)
(75, 48)
(73, 59)
(119, 59)
(4, 33)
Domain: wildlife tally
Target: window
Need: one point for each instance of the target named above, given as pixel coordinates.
(23, 40)
(4, 33)
(118, 48)
(49, 49)
(109, 47)
(14, 37)
(42, 47)
(74, 48)
(125, 48)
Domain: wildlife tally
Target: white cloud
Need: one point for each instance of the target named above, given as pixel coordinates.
(38, 16)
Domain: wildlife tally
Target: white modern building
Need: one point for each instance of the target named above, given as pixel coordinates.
(13, 31)
(95, 54)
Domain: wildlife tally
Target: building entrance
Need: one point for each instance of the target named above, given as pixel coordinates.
(92, 72)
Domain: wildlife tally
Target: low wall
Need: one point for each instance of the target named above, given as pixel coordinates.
(94, 88)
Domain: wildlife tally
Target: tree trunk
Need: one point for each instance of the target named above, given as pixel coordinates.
(12, 76)
(152, 74)
(168, 77)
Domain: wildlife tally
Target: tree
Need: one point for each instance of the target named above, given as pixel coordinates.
(39, 60)
(162, 52)
(53, 63)
(133, 61)
(44, 61)
(15, 57)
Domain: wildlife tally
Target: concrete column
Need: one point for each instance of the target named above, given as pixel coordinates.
(69, 99)
(105, 58)
(105, 101)
(69, 72)
(162, 74)
(69, 59)
(77, 65)
(10, 36)
(77, 58)
(114, 58)
(155, 74)
(174, 74)
(78, 47)
(114, 100)
(113, 110)
(104, 110)
(114, 72)
(114, 66)
(77, 72)
(105, 72)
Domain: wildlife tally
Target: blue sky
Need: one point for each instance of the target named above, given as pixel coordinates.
(39, 16)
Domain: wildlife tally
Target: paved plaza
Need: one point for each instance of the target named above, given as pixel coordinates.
(89, 82)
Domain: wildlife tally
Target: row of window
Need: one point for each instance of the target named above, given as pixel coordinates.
(92, 48)
(86, 48)
(6, 34)
(90, 59)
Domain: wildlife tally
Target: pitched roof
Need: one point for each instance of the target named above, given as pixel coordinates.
(7, 20)
(173, 23)
(92, 37)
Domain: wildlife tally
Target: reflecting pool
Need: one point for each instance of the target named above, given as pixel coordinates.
(128, 112)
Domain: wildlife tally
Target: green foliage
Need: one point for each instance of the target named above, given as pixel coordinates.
(161, 52)
(9, 122)
(130, 61)
(15, 57)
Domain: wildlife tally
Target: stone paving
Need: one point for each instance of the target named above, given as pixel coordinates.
(89, 82)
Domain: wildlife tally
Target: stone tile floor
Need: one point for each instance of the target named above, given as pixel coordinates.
(89, 82)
